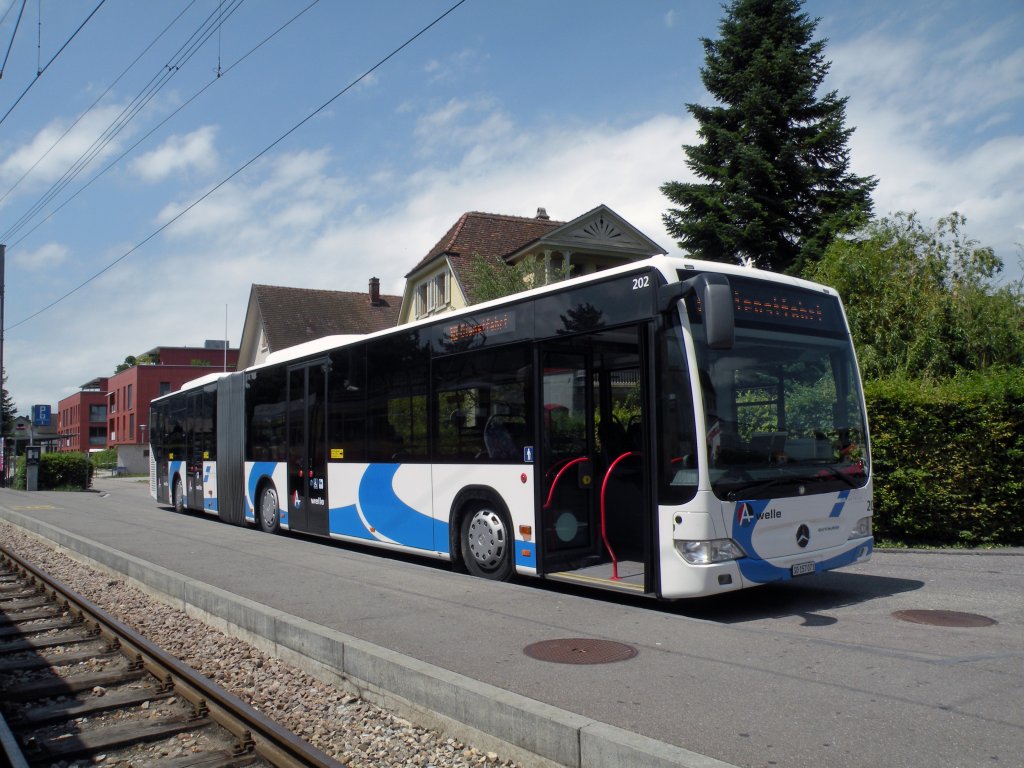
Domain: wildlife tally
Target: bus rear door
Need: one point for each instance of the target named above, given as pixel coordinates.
(307, 448)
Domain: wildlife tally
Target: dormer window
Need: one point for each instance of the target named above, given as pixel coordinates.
(432, 295)
(439, 291)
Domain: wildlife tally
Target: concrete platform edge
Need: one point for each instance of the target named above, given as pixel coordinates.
(555, 735)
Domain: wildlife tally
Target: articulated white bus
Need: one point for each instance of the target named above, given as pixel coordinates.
(671, 428)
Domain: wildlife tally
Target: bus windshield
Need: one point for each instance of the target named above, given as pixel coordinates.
(783, 409)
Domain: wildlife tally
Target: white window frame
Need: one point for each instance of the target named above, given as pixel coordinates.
(432, 295)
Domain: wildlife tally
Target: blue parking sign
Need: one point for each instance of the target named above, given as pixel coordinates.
(40, 415)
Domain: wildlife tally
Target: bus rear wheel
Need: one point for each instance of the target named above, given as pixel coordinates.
(487, 543)
(270, 510)
(179, 496)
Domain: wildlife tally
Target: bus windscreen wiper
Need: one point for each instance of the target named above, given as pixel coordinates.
(756, 486)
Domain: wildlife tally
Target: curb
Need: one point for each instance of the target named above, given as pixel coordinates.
(539, 734)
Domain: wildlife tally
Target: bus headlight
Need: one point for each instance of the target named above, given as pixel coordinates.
(861, 528)
(711, 551)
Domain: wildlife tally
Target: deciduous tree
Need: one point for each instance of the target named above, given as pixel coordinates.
(923, 300)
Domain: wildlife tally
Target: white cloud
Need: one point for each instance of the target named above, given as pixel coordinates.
(453, 64)
(292, 222)
(193, 150)
(284, 200)
(50, 153)
(937, 121)
(46, 257)
(440, 119)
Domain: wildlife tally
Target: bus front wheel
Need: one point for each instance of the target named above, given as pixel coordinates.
(486, 539)
(270, 511)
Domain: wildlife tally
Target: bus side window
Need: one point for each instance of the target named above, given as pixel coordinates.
(266, 404)
(677, 482)
(396, 372)
(481, 402)
(346, 403)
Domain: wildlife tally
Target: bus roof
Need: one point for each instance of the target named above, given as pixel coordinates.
(202, 381)
(668, 266)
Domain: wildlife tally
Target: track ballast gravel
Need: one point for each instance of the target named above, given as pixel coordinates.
(350, 729)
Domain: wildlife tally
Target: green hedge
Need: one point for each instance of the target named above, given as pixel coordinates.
(949, 459)
(58, 471)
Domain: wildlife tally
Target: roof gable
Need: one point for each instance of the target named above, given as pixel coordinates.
(293, 316)
(491, 235)
(602, 231)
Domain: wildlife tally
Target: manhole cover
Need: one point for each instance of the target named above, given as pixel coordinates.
(945, 618)
(577, 650)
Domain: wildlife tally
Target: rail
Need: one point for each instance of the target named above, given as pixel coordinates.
(253, 732)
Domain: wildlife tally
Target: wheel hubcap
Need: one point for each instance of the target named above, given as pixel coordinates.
(487, 539)
(269, 508)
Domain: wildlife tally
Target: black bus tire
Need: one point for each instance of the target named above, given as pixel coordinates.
(178, 498)
(487, 543)
(269, 509)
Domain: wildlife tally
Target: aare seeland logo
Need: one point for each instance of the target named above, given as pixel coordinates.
(745, 514)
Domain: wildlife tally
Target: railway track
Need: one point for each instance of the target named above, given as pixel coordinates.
(79, 687)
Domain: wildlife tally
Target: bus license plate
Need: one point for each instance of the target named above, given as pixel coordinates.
(801, 569)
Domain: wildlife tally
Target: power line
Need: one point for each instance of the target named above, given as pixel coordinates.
(166, 120)
(14, 34)
(58, 53)
(245, 165)
(182, 56)
(92, 106)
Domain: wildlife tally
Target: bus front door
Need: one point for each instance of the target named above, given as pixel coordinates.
(307, 448)
(596, 510)
(568, 509)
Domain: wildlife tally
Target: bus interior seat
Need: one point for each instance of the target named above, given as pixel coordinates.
(498, 441)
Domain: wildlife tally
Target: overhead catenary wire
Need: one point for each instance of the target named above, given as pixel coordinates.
(92, 106)
(182, 56)
(163, 122)
(14, 34)
(42, 69)
(242, 167)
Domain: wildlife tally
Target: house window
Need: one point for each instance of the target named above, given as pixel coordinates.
(432, 295)
(165, 387)
(129, 397)
(439, 291)
(421, 300)
(97, 413)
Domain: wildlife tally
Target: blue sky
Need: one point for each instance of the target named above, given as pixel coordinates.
(501, 107)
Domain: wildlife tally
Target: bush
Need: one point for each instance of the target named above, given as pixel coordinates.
(58, 471)
(949, 459)
(105, 459)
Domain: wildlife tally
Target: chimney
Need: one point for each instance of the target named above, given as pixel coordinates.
(374, 292)
(542, 213)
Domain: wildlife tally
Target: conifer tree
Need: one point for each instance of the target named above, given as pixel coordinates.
(7, 408)
(773, 158)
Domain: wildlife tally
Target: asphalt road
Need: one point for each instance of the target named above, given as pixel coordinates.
(818, 671)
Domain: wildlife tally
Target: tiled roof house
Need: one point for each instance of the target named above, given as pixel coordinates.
(278, 317)
(442, 281)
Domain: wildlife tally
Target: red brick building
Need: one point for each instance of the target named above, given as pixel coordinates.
(82, 418)
(161, 370)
